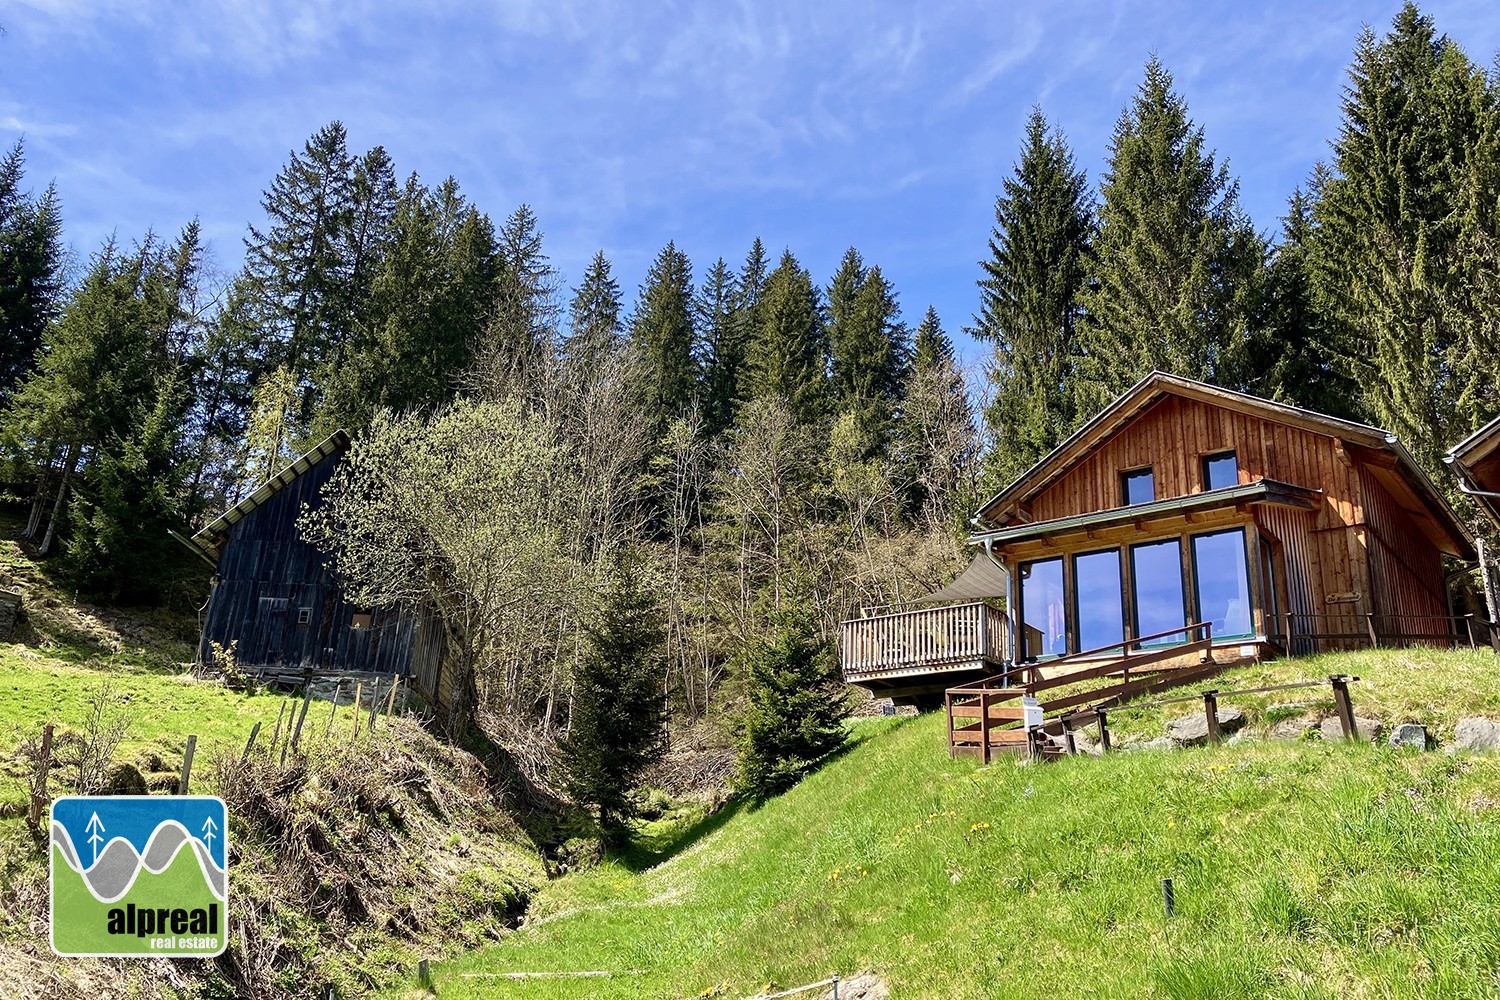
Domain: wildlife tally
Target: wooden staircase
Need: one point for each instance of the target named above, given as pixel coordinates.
(990, 716)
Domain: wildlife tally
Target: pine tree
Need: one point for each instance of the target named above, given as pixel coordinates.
(594, 329)
(721, 339)
(1397, 242)
(1029, 301)
(796, 712)
(524, 318)
(662, 331)
(617, 701)
(787, 355)
(1292, 352)
(1177, 265)
(938, 441)
(868, 347)
(30, 269)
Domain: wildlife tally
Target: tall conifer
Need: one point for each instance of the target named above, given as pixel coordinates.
(787, 355)
(662, 330)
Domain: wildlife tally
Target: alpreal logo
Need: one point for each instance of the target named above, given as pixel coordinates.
(139, 875)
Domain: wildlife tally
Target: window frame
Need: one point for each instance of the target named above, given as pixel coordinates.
(1215, 456)
(1135, 591)
(1126, 475)
(1023, 574)
(1076, 622)
(1196, 596)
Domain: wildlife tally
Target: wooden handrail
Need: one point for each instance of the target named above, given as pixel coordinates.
(928, 637)
(1125, 655)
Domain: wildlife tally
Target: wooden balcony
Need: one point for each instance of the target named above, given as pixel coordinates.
(914, 653)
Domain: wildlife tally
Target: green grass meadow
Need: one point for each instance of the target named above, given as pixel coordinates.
(1301, 870)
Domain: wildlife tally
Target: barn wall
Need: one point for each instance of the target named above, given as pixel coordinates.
(267, 574)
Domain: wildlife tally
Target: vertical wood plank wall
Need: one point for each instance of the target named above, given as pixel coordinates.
(267, 573)
(1406, 571)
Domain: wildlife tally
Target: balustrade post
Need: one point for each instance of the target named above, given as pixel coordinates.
(984, 726)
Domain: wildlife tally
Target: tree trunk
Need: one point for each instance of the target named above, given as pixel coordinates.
(62, 495)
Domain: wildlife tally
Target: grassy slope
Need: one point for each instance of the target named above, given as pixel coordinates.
(1302, 870)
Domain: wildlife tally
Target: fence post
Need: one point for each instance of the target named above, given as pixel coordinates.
(39, 797)
(358, 690)
(1345, 707)
(1370, 627)
(1469, 624)
(984, 726)
(306, 700)
(835, 986)
(948, 704)
(1071, 744)
(187, 765)
(1288, 633)
(254, 730)
(1103, 730)
(390, 705)
(1211, 711)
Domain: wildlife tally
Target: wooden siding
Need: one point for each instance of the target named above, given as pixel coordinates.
(268, 574)
(1406, 571)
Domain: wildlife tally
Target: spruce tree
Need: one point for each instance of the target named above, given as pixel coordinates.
(617, 701)
(594, 328)
(30, 269)
(524, 316)
(662, 332)
(868, 348)
(1029, 301)
(787, 354)
(721, 339)
(1399, 236)
(938, 441)
(795, 717)
(1177, 266)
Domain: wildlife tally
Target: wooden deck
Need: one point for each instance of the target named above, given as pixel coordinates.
(911, 653)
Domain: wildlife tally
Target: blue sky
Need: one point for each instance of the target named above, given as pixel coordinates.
(812, 125)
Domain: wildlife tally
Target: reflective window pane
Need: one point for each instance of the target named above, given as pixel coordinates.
(1137, 487)
(1101, 616)
(1156, 571)
(1223, 590)
(1220, 471)
(1042, 609)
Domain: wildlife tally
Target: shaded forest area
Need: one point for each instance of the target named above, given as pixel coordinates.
(757, 453)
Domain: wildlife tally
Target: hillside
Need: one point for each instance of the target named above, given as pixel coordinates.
(1302, 869)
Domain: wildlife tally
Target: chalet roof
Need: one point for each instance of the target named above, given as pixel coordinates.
(211, 538)
(1477, 460)
(1267, 491)
(1417, 492)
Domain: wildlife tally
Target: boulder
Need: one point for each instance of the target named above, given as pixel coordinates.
(1409, 734)
(1475, 733)
(865, 986)
(1292, 729)
(1192, 730)
(1369, 730)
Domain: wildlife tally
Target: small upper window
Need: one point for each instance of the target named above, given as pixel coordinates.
(304, 616)
(1136, 487)
(1220, 470)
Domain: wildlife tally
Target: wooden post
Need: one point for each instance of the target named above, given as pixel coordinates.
(1211, 712)
(390, 703)
(358, 689)
(39, 797)
(1370, 627)
(1288, 633)
(1345, 707)
(254, 730)
(948, 704)
(1469, 624)
(1103, 731)
(276, 733)
(424, 974)
(375, 704)
(306, 701)
(984, 727)
(333, 707)
(187, 765)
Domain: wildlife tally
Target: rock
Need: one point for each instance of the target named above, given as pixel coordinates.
(865, 986)
(1160, 743)
(1192, 730)
(1282, 707)
(1369, 730)
(1243, 736)
(1292, 729)
(1409, 734)
(1476, 733)
(123, 779)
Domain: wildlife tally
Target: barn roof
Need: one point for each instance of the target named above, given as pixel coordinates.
(1398, 471)
(210, 540)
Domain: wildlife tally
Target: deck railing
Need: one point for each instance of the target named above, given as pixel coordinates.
(931, 638)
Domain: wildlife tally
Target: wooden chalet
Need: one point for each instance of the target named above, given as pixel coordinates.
(275, 598)
(1476, 460)
(1183, 521)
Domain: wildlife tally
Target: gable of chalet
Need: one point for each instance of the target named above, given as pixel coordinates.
(1476, 459)
(1285, 455)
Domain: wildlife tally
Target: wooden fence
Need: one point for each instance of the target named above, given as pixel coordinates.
(924, 640)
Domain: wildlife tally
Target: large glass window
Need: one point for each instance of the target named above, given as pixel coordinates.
(1156, 572)
(1043, 609)
(1137, 487)
(1223, 589)
(1101, 614)
(1220, 470)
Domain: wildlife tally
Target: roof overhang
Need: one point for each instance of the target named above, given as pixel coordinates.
(209, 541)
(1476, 459)
(1265, 491)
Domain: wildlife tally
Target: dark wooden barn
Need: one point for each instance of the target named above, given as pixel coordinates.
(275, 599)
